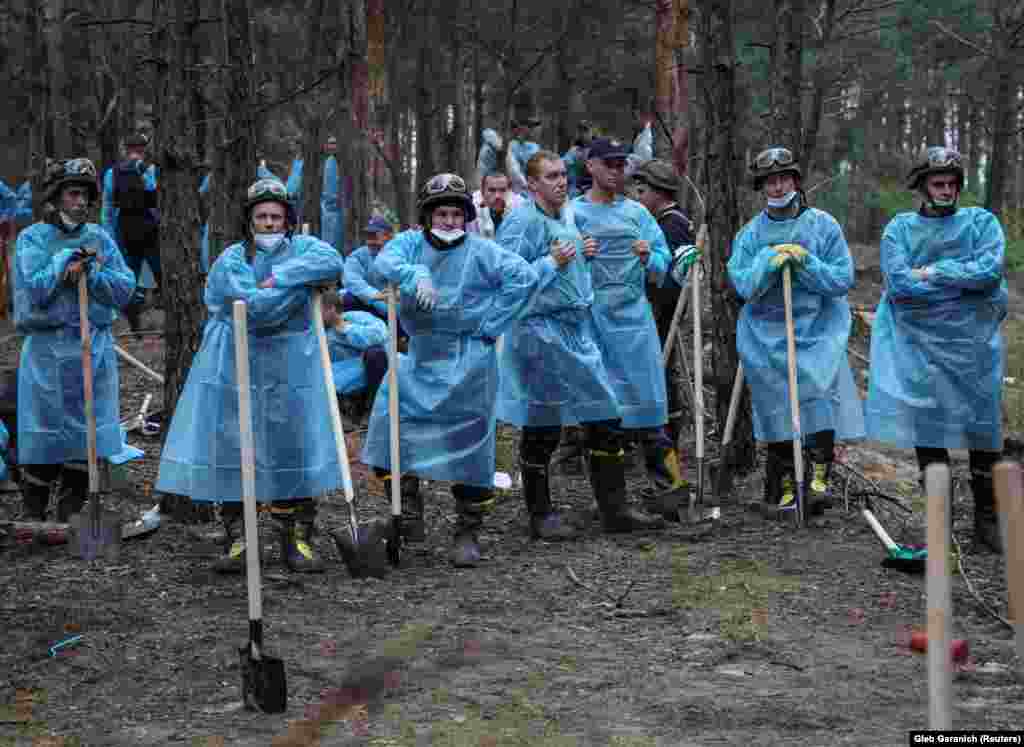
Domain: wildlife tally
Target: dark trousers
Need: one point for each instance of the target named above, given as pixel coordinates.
(981, 462)
(663, 305)
(135, 251)
(820, 447)
(537, 444)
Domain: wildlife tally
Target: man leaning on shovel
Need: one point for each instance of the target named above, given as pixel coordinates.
(788, 233)
(50, 257)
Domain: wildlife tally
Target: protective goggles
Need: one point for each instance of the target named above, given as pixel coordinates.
(445, 183)
(80, 167)
(940, 157)
(773, 157)
(268, 188)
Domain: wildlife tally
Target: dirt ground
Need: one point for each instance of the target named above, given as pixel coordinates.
(751, 632)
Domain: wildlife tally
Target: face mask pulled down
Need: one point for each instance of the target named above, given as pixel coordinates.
(781, 202)
(447, 237)
(267, 241)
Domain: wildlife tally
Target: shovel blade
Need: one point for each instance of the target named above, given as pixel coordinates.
(263, 682)
(95, 536)
(369, 553)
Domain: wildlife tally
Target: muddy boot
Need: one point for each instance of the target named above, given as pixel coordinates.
(414, 528)
(297, 521)
(133, 313)
(986, 520)
(669, 489)
(35, 496)
(545, 522)
(779, 483)
(568, 457)
(472, 504)
(74, 490)
(816, 484)
(608, 481)
(233, 559)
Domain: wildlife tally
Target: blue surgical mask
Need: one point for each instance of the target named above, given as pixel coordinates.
(268, 241)
(781, 202)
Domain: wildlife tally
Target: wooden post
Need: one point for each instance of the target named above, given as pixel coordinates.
(940, 617)
(1009, 488)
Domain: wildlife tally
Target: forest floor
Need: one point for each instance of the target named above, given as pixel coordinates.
(749, 632)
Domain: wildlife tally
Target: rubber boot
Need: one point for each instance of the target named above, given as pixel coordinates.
(779, 483)
(986, 520)
(35, 496)
(233, 559)
(74, 490)
(472, 505)
(133, 313)
(545, 522)
(608, 481)
(816, 486)
(669, 489)
(568, 457)
(297, 524)
(414, 528)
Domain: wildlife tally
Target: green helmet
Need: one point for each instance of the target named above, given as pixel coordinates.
(936, 160)
(773, 161)
(659, 174)
(60, 174)
(445, 189)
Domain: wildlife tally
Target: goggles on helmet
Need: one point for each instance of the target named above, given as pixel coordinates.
(940, 157)
(445, 183)
(773, 157)
(269, 189)
(80, 167)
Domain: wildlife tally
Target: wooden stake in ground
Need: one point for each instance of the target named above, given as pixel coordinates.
(1009, 485)
(940, 616)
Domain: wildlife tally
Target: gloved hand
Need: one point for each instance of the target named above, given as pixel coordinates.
(81, 261)
(426, 294)
(788, 254)
(922, 273)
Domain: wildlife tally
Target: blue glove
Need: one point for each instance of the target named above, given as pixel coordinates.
(426, 294)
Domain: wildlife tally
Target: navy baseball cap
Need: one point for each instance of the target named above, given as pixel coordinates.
(378, 225)
(607, 149)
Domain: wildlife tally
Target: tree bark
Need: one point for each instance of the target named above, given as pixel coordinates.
(718, 91)
(787, 121)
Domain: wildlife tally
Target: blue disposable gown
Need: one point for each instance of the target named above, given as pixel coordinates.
(3, 451)
(821, 320)
(295, 452)
(262, 172)
(937, 356)
(519, 154)
(624, 324)
(362, 331)
(23, 204)
(8, 202)
(363, 280)
(448, 383)
(487, 160)
(551, 367)
(332, 225)
(51, 397)
(294, 187)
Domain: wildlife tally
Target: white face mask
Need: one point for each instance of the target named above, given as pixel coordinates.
(68, 222)
(448, 236)
(781, 202)
(267, 241)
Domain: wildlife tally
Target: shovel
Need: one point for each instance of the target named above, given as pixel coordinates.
(361, 547)
(263, 680)
(727, 457)
(98, 532)
(395, 542)
(794, 397)
(900, 557)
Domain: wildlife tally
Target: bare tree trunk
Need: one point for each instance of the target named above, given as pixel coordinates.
(787, 122)
(425, 164)
(60, 110)
(718, 89)
(810, 144)
(1002, 120)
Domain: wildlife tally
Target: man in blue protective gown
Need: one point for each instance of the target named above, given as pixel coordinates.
(364, 283)
(789, 233)
(50, 257)
(458, 294)
(357, 343)
(273, 271)
(332, 214)
(552, 373)
(937, 355)
(520, 151)
(631, 250)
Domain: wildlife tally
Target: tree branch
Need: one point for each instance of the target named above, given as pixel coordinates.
(966, 42)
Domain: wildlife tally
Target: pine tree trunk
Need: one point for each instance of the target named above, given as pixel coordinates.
(718, 89)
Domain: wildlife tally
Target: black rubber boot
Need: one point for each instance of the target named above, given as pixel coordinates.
(472, 504)
(779, 482)
(414, 528)
(35, 496)
(669, 489)
(986, 520)
(233, 559)
(74, 490)
(545, 522)
(568, 456)
(297, 524)
(608, 481)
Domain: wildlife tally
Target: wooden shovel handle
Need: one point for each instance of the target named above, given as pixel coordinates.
(794, 395)
(393, 424)
(331, 395)
(90, 408)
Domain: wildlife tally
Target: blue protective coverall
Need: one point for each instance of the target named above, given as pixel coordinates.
(937, 356)
(51, 398)
(487, 160)
(332, 218)
(551, 367)
(361, 332)
(519, 154)
(294, 187)
(821, 320)
(363, 280)
(295, 452)
(4, 438)
(204, 230)
(448, 382)
(262, 172)
(623, 321)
